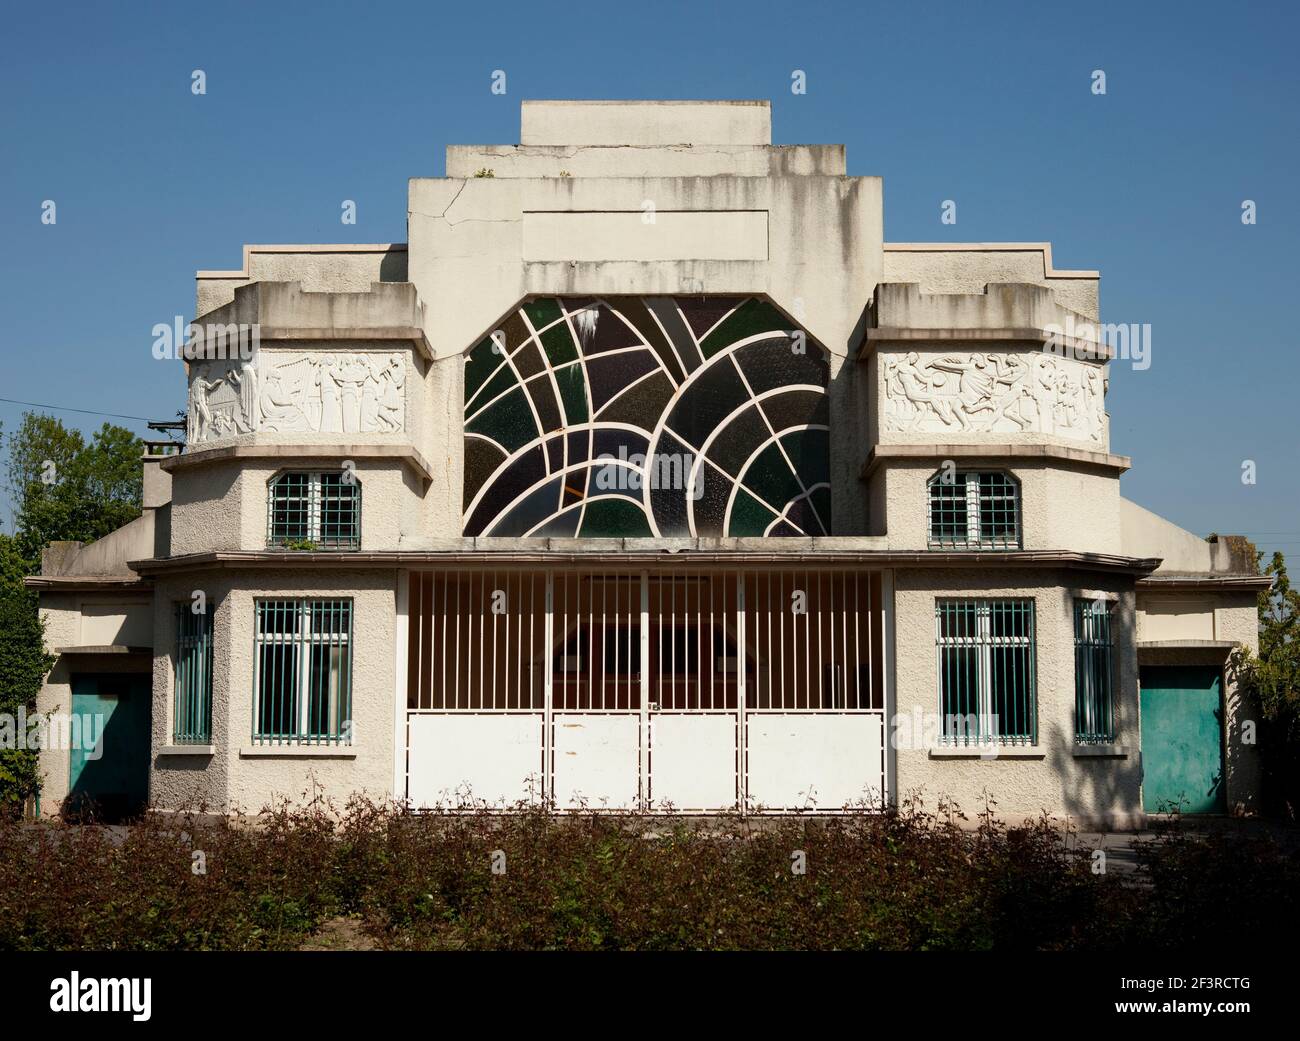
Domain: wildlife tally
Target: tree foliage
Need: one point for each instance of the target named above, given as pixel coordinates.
(63, 488)
(1271, 679)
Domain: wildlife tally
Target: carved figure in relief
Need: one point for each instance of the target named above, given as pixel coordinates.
(199, 418)
(247, 419)
(277, 404)
(350, 377)
(338, 393)
(984, 392)
(392, 383)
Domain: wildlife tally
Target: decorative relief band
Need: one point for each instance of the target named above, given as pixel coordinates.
(297, 392)
(981, 393)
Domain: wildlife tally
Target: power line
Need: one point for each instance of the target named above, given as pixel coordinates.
(66, 408)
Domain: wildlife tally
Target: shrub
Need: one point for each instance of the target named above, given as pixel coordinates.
(917, 879)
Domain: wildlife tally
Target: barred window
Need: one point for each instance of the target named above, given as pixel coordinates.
(315, 510)
(974, 511)
(986, 671)
(193, 676)
(303, 661)
(1094, 671)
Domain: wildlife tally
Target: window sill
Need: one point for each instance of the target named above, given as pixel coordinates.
(188, 750)
(298, 752)
(276, 547)
(1101, 751)
(988, 752)
(970, 547)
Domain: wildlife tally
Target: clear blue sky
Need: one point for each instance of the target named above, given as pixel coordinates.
(988, 104)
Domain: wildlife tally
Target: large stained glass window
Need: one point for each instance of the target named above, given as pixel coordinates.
(646, 416)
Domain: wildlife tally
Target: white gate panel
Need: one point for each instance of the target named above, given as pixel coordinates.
(597, 760)
(693, 762)
(462, 759)
(822, 761)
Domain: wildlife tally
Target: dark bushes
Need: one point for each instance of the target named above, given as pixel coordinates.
(914, 880)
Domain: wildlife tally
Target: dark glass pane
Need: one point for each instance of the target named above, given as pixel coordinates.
(622, 651)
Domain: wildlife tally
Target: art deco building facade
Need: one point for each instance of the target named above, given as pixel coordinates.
(648, 475)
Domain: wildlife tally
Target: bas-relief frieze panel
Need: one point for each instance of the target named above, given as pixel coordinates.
(297, 392)
(977, 392)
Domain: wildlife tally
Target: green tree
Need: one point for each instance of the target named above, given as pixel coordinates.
(62, 488)
(1272, 680)
(23, 665)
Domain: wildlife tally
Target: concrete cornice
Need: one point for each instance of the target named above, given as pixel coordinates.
(242, 273)
(404, 334)
(1070, 346)
(86, 583)
(408, 454)
(882, 455)
(1205, 583)
(1045, 248)
(1160, 645)
(1024, 314)
(626, 554)
(105, 648)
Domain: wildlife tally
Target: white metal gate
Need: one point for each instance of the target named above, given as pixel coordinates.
(692, 691)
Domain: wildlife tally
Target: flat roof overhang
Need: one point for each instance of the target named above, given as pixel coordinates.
(87, 583)
(1205, 583)
(105, 648)
(1008, 454)
(631, 557)
(409, 455)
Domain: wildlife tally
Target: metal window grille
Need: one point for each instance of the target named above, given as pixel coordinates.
(303, 662)
(799, 641)
(975, 511)
(1094, 670)
(986, 671)
(193, 676)
(319, 508)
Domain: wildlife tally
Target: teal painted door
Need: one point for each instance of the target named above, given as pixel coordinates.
(112, 780)
(1182, 739)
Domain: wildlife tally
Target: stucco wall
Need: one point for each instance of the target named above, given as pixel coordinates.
(62, 617)
(625, 160)
(342, 269)
(1219, 617)
(822, 263)
(1146, 534)
(207, 507)
(1236, 618)
(968, 267)
(223, 505)
(1101, 790)
(1061, 508)
(229, 779)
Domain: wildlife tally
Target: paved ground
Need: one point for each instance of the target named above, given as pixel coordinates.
(1121, 847)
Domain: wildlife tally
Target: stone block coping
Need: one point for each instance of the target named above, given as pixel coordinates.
(881, 455)
(103, 648)
(632, 553)
(407, 454)
(1204, 582)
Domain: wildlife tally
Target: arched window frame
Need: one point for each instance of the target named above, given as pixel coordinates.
(314, 509)
(973, 509)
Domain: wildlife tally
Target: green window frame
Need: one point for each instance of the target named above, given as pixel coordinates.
(302, 660)
(986, 651)
(192, 724)
(974, 510)
(1094, 671)
(322, 509)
